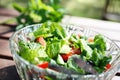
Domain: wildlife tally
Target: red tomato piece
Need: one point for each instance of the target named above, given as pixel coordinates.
(108, 66)
(43, 65)
(41, 41)
(66, 56)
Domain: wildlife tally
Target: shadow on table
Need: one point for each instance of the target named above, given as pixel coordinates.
(9, 73)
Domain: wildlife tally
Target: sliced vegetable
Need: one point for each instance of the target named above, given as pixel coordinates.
(43, 65)
(41, 41)
(108, 66)
(60, 60)
(65, 49)
(66, 56)
(85, 49)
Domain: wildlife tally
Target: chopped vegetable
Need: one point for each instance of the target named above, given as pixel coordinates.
(108, 66)
(43, 65)
(52, 45)
(41, 41)
(66, 56)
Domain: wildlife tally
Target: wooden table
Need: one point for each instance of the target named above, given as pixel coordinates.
(7, 65)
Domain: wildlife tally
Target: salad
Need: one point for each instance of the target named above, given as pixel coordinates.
(50, 44)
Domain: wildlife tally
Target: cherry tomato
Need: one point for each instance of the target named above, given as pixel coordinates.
(43, 65)
(41, 41)
(66, 56)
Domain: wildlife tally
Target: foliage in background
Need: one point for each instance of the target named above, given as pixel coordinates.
(39, 11)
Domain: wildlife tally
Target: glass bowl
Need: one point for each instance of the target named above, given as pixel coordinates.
(29, 71)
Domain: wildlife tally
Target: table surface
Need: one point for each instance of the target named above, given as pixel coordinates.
(7, 65)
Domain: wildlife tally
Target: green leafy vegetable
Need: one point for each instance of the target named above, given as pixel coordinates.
(31, 51)
(50, 30)
(75, 41)
(60, 60)
(87, 51)
(71, 64)
(37, 11)
(53, 49)
(99, 43)
(60, 49)
(99, 60)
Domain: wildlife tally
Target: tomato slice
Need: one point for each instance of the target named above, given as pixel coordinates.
(43, 65)
(72, 52)
(108, 66)
(41, 41)
(66, 56)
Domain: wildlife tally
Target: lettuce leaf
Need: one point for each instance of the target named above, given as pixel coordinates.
(30, 51)
(50, 30)
(99, 43)
(71, 64)
(53, 49)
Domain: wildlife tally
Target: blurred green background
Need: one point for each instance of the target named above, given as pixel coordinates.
(82, 8)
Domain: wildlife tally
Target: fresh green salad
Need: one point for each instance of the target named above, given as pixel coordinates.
(50, 44)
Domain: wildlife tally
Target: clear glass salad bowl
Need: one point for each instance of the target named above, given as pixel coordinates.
(29, 71)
